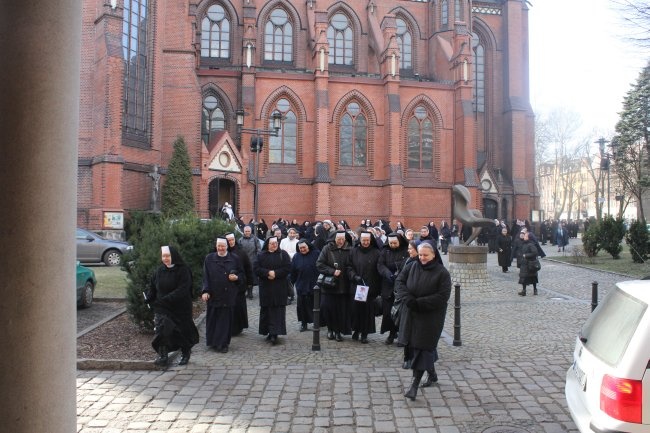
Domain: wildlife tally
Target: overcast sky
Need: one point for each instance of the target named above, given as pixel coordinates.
(580, 60)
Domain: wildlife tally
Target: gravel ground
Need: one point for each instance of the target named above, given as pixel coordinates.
(117, 339)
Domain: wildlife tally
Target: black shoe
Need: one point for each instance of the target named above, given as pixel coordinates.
(185, 357)
(389, 339)
(250, 296)
(355, 335)
(339, 337)
(432, 378)
(274, 339)
(400, 344)
(364, 339)
(522, 293)
(330, 335)
(289, 301)
(163, 356)
(303, 327)
(535, 292)
(268, 337)
(412, 392)
(223, 349)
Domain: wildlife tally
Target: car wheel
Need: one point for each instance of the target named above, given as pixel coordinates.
(112, 258)
(87, 294)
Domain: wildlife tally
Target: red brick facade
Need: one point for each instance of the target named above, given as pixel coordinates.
(492, 144)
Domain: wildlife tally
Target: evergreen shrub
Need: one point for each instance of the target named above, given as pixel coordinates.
(639, 241)
(194, 239)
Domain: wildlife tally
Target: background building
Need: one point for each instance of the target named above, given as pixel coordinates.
(385, 105)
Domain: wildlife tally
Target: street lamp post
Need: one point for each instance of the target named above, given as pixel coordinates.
(257, 143)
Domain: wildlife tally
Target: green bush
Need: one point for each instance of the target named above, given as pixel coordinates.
(193, 238)
(612, 232)
(639, 241)
(591, 240)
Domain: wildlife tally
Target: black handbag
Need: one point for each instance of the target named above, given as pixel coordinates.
(534, 266)
(326, 281)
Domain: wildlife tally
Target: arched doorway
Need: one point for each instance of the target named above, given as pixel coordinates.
(490, 208)
(221, 190)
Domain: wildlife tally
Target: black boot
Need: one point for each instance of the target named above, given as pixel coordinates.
(390, 338)
(413, 390)
(339, 337)
(523, 292)
(163, 356)
(249, 292)
(534, 290)
(185, 357)
(432, 377)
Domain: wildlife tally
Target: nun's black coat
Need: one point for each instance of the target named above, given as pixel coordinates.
(273, 293)
(170, 295)
(223, 297)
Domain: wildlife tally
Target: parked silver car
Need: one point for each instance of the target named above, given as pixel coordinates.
(92, 248)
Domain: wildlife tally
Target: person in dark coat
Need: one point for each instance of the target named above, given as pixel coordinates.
(433, 233)
(170, 295)
(504, 249)
(336, 302)
(222, 277)
(526, 275)
(273, 269)
(240, 314)
(364, 258)
(561, 236)
(493, 233)
(425, 286)
(303, 276)
(391, 262)
(445, 236)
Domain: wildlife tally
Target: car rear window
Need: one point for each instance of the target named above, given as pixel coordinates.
(610, 327)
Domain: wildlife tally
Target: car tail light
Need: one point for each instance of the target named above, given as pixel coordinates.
(621, 398)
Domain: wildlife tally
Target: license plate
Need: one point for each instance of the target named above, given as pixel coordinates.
(582, 377)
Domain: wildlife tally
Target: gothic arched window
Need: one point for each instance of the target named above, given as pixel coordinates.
(458, 13)
(135, 49)
(479, 73)
(282, 149)
(420, 140)
(212, 117)
(340, 38)
(353, 136)
(444, 13)
(278, 37)
(215, 33)
(405, 44)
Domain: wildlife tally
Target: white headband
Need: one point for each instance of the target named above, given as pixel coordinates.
(365, 235)
(165, 250)
(340, 235)
(222, 241)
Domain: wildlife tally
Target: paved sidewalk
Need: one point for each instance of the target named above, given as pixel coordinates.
(507, 377)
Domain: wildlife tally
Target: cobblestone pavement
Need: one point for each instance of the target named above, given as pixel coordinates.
(506, 377)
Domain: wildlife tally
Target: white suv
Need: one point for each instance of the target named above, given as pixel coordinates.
(608, 386)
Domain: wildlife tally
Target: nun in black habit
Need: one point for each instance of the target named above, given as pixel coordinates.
(222, 277)
(240, 316)
(273, 269)
(170, 295)
(336, 301)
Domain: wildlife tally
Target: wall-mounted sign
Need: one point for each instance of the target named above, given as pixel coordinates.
(114, 220)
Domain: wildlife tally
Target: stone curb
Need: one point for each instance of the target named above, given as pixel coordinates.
(125, 364)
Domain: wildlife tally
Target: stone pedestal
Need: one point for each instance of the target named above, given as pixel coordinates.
(468, 267)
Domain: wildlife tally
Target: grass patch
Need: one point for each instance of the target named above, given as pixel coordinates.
(111, 282)
(605, 262)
